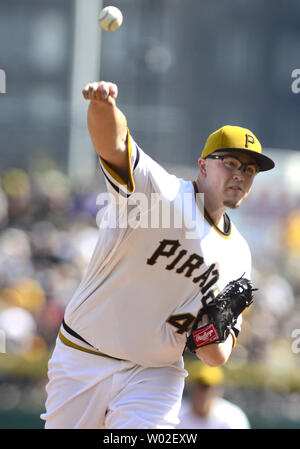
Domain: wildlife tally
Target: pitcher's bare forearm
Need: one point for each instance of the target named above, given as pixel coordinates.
(107, 125)
(217, 353)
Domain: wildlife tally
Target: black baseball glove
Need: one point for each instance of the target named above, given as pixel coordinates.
(222, 313)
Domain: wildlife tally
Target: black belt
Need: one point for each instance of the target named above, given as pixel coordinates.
(74, 334)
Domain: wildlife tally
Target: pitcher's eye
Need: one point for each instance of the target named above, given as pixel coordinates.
(251, 170)
(231, 163)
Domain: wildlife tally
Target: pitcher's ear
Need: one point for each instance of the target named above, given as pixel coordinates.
(202, 166)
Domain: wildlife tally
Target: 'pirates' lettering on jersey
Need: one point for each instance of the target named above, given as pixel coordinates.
(205, 279)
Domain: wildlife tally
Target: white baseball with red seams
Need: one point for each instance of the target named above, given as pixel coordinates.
(110, 18)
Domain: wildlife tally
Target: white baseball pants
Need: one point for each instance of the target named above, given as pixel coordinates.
(88, 391)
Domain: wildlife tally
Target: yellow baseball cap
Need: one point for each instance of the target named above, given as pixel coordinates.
(207, 375)
(235, 138)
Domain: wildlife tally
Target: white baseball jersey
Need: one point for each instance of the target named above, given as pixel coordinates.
(146, 283)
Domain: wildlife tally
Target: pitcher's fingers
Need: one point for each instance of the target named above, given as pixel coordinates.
(113, 90)
(104, 89)
(89, 91)
(85, 92)
(100, 91)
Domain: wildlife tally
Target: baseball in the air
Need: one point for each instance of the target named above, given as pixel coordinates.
(110, 18)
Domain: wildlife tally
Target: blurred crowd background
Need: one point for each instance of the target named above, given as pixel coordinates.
(184, 68)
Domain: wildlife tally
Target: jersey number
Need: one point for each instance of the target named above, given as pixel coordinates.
(181, 322)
